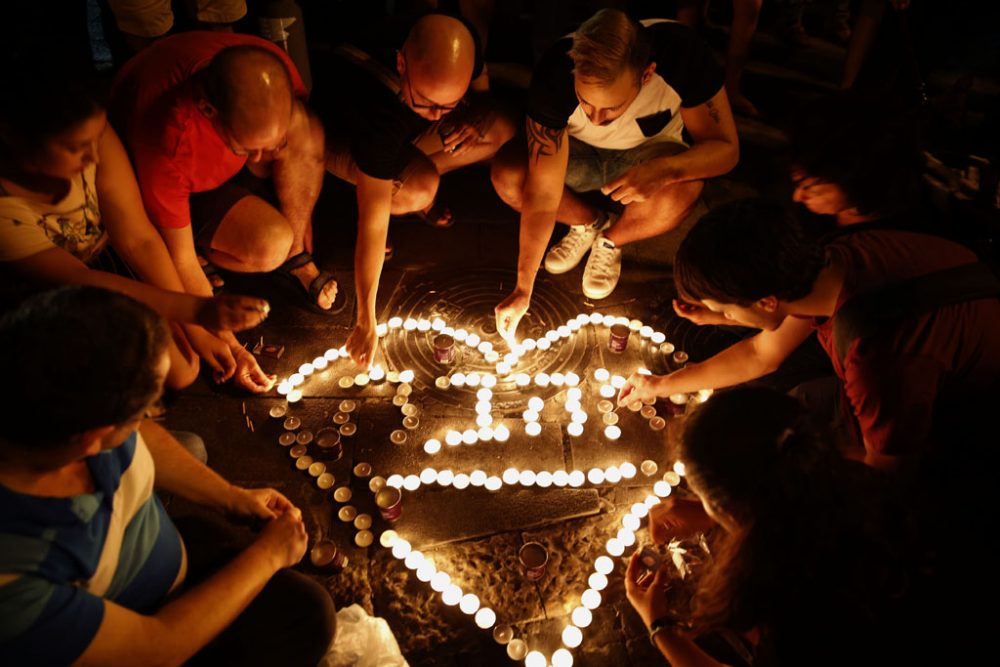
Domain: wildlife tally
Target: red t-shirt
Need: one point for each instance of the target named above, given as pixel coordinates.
(175, 149)
(894, 379)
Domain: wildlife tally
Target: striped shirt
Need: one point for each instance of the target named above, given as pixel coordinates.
(61, 557)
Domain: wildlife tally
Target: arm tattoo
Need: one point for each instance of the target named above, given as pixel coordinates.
(543, 140)
(713, 113)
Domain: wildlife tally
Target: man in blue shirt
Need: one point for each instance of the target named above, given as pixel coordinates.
(88, 556)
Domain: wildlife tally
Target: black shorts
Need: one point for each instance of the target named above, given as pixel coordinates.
(210, 207)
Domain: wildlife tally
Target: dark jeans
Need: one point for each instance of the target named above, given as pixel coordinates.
(290, 623)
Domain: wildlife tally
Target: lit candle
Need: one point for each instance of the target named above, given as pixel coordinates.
(484, 395)
(503, 369)
(395, 322)
(612, 475)
(489, 381)
(529, 344)
(406, 376)
(409, 324)
(501, 433)
(590, 599)
(579, 417)
(679, 468)
(294, 396)
(395, 481)
(284, 387)
(477, 478)
(543, 344)
(438, 324)
(453, 438)
(484, 420)
(607, 391)
(604, 565)
(451, 595)
(615, 547)
(627, 469)
(543, 479)
(529, 415)
(388, 538)
(626, 537)
(526, 478)
(319, 363)
(597, 581)
(532, 428)
(610, 418)
(557, 379)
(671, 478)
(560, 478)
(423, 325)
(658, 337)
(469, 604)
(483, 406)
(542, 379)
(574, 429)
(426, 571)
(458, 380)
(596, 318)
(332, 354)
(485, 618)
(428, 476)
(401, 549)
(398, 437)
(571, 636)
(535, 659)
(411, 482)
(472, 379)
(446, 477)
(595, 476)
(648, 467)
(612, 432)
(577, 478)
(510, 476)
(639, 509)
(376, 374)
(573, 393)
(485, 347)
(562, 658)
(493, 483)
(581, 617)
(461, 481)
(631, 522)
(469, 436)
(361, 379)
(440, 581)
(381, 330)
(522, 379)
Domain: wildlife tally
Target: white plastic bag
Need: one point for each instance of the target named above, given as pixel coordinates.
(362, 641)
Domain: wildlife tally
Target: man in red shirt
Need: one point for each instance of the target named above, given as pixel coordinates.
(229, 161)
(749, 262)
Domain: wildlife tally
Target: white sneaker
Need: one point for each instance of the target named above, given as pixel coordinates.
(604, 267)
(566, 254)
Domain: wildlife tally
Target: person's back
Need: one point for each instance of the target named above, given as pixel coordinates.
(898, 377)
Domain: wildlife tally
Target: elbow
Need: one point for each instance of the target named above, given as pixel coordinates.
(732, 156)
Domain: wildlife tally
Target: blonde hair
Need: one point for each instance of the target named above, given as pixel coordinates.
(608, 44)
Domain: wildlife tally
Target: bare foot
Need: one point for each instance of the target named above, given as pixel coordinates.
(306, 274)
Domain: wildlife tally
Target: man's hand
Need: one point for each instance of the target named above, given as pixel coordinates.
(284, 539)
(361, 343)
(510, 311)
(213, 351)
(641, 387)
(677, 517)
(637, 184)
(257, 503)
(249, 374)
(649, 599)
(699, 314)
(229, 312)
(461, 139)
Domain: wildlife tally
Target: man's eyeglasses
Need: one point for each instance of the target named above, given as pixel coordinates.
(432, 106)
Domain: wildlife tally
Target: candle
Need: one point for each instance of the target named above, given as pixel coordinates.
(575, 429)
(529, 415)
(325, 481)
(469, 604)
(581, 617)
(346, 381)
(389, 501)
(428, 476)
(658, 337)
(409, 324)
(440, 581)
(477, 478)
(442, 382)
(571, 636)
(376, 483)
(607, 391)
(533, 428)
(543, 344)
(461, 335)
(543, 479)
(306, 369)
(640, 509)
(432, 446)
(485, 618)
(489, 380)
(423, 325)
(560, 478)
(529, 344)
(438, 324)
(618, 338)
(657, 423)
(398, 437)
(517, 649)
(332, 354)
(295, 379)
(626, 537)
(325, 554)
(453, 438)
(595, 476)
(388, 538)
(579, 417)
(615, 547)
(381, 329)
(472, 379)
(526, 477)
(363, 470)
(363, 521)
(451, 595)
(461, 481)
(317, 468)
(348, 429)
(304, 437)
(501, 433)
(469, 436)
(484, 420)
(631, 522)
(671, 478)
(406, 376)
(411, 482)
(627, 469)
(612, 432)
(284, 387)
(303, 462)
(446, 477)
(294, 396)
(610, 418)
(394, 481)
(376, 374)
(286, 439)
(361, 379)
(597, 581)
(522, 379)
(535, 659)
(576, 478)
(395, 322)
(542, 379)
(342, 494)
(591, 599)
(347, 513)
(679, 468)
(648, 467)
(612, 475)
(493, 483)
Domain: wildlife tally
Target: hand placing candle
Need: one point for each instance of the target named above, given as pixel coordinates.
(641, 387)
(509, 313)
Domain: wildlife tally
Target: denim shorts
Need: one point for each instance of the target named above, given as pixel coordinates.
(592, 168)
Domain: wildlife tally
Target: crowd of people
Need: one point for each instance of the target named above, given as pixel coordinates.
(822, 512)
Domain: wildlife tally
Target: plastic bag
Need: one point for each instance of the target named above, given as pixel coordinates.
(362, 641)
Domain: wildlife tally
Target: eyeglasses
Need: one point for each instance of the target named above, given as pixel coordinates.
(444, 108)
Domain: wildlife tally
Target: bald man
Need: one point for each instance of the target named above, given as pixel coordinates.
(397, 118)
(230, 163)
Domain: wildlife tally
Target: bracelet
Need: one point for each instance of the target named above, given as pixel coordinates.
(661, 624)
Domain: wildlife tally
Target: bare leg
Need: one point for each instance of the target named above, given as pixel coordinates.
(508, 173)
(298, 177)
(657, 215)
(253, 237)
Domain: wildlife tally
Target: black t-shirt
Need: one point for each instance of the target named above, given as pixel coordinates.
(364, 103)
(686, 75)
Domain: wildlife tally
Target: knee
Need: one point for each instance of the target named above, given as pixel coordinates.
(269, 247)
(508, 179)
(503, 129)
(183, 373)
(418, 191)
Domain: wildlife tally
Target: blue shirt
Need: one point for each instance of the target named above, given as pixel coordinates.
(61, 557)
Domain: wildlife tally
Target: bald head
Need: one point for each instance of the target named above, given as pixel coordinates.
(440, 56)
(250, 89)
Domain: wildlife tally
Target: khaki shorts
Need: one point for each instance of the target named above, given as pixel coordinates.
(153, 18)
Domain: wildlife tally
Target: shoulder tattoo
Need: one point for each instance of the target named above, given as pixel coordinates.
(542, 140)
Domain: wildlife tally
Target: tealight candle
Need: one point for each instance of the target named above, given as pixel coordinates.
(411, 482)
(577, 478)
(597, 581)
(542, 379)
(409, 324)
(595, 476)
(529, 344)
(484, 420)
(406, 376)
(428, 476)
(458, 379)
(526, 477)
(376, 374)
(381, 329)
(560, 478)
(395, 322)
(572, 636)
(543, 479)
(440, 581)
(501, 433)
(319, 363)
(423, 325)
(615, 547)
(610, 418)
(607, 391)
(469, 604)
(461, 481)
(658, 337)
(485, 618)
(522, 379)
(361, 379)
(446, 477)
(477, 478)
(529, 415)
(581, 617)
(648, 467)
(493, 483)
(612, 432)
(470, 436)
(473, 341)
(543, 344)
(489, 381)
(332, 354)
(627, 469)
(533, 428)
(574, 429)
